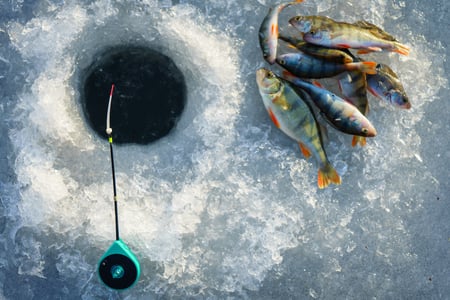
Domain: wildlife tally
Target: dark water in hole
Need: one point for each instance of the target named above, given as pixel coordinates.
(149, 96)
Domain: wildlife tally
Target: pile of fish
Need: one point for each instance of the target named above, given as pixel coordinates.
(320, 48)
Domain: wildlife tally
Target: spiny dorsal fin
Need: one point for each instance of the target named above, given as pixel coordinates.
(375, 30)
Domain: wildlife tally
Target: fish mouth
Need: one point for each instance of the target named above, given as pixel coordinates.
(260, 75)
(301, 25)
(293, 22)
(407, 105)
(371, 131)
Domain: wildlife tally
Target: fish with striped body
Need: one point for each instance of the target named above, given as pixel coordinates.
(306, 24)
(340, 114)
(362, 35)
(328, 54)
(387, 86)
(353, 86)
(294, 117)
(307, 66)
(268, 32)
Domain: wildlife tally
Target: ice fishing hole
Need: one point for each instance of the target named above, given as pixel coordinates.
(149, 96)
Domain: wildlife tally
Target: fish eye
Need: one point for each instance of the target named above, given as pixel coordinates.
(270, 74)
(282, 62)
(312, 32)
(365, 130)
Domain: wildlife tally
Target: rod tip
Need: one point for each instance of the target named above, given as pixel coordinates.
(108, 131)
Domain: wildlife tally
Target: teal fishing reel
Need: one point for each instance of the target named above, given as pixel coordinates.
(118, 268)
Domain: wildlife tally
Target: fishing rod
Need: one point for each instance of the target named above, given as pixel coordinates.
(110, 139)
(118, 268)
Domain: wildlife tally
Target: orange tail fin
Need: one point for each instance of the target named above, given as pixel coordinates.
(326, 175)
(358, 140)
(368, 67)
(400, 48)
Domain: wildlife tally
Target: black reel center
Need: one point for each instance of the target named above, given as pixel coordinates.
(118, 271)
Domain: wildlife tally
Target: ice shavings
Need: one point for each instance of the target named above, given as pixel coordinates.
(223, 203)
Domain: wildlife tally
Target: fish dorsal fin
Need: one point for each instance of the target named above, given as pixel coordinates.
(375, 30)
(387, 70)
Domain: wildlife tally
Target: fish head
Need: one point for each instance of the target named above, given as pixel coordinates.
(301, 23)
(268, 82)
(317, 36)
(289, 59)
(367, 129)
(398, 98)
(268, 47)
(361, 125)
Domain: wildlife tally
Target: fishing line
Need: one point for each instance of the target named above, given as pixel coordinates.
(118, 268)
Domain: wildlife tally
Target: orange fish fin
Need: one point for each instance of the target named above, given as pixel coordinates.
(402, 49)
(274, 29)
(326, 175)
(316, 83)
(372, 91)
(369, 67)
(346, 46)
(364, 51)
(286, 73)
(305, 151)
(358, 140)
(273, 118)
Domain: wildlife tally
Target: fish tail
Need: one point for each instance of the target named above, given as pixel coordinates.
(326, 175)
(361, 140)
(283, 6)
(368, 67)
(401, 49)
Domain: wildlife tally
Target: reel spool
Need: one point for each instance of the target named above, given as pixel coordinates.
(118, 268)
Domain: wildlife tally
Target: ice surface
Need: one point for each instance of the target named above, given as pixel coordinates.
(225, 206)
